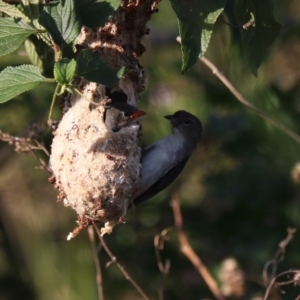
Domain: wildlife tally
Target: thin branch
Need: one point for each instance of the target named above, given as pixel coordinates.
(241, 99)
(159, 240)
(279, 256)
(23, 144)
(122, 268)
(188, 251)
(97, 263)
(273, 282)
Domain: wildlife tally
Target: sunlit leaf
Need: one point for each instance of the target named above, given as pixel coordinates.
(62, 21)
(13, 34)
(16, 80)
(12, 11)
(64, 71)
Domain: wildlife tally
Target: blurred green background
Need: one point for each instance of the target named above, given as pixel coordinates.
(239, 191)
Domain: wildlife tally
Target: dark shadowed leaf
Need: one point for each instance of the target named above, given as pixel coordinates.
(196, 19)
(40, 55)
(258, 38)
(13, 34)
(16, 80)
(62, 21)
(94, 13)
(64, 71)
(91, 67)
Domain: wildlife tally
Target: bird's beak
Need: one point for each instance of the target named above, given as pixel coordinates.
(171, 119)
(137, 114)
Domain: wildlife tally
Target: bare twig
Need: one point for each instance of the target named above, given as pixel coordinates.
(23, 144)
(188, 251)
(164, 268)
(278, 257)
(295, 280)
(122, 268)
(241, 99)
(97, 263)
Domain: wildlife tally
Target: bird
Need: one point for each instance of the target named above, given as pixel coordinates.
(119, 115)
(164, 160)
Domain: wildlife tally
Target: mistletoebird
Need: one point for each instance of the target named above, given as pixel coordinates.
(163, 161)
(119, 115)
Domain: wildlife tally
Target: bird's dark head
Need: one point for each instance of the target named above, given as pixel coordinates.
(187, 124)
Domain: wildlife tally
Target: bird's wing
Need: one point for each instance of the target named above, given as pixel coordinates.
(162, 183)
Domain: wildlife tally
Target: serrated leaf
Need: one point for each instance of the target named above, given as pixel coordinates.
(64, 71)
(40, 55)
(13, 11)
(13, 34)
(258, 38)
(62, 21)
(32, 10)
(195, 19)
(33, 55)
(16, 80)
(91, 67)
(94, 13)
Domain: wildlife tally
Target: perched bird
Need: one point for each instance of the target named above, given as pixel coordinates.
(119, 115)
(163, 161)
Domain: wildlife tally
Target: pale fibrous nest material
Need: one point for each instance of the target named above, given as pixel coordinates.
(96, 170)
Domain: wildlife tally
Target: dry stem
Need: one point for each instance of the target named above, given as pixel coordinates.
(295, 280)
(278, 257)
(241, 99)
(27, 144)
(97, 263)
(122, 268)
(188, 251)
(163, 268)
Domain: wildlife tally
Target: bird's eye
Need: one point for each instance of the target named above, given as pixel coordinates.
(126, 114)
(187, 122)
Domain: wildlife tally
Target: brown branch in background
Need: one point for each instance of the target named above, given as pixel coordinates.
(278, 257)
(159, 241)
(99, 280)
(241, 99)
(273, 282)
(188, 251)
(122, 268)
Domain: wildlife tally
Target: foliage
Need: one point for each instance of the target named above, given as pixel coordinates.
(239, 192)
(63, 20)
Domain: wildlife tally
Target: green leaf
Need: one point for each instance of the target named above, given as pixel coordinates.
(95, 13)
(62, 21)
(258, 38)
(32, 9)
(40, 55)
(195, 19)
(91, 67)
(16, 80)
(13, 34)
(13, 11)
(64, 71)
(33, 55)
